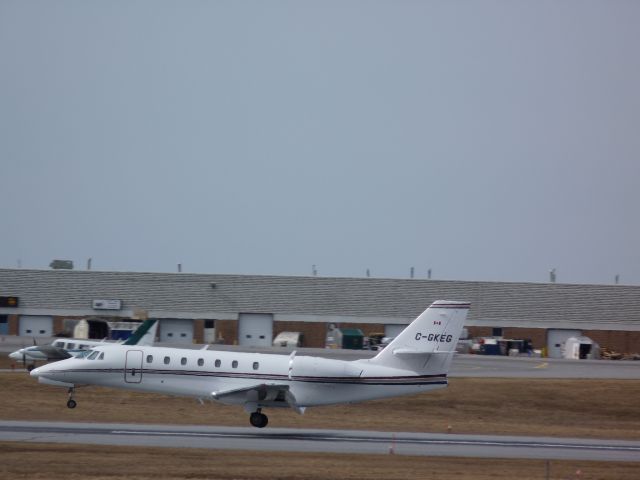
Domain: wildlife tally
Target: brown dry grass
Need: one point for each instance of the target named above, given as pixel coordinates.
(74, 462)
(572, 408)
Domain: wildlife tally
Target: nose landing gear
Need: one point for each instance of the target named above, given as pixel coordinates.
(259, 419)
(71, 403)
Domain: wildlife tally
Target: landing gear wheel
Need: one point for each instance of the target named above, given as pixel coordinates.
(71, 403)
(258, 420)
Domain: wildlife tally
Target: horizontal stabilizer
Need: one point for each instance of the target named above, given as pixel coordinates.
(410, 351)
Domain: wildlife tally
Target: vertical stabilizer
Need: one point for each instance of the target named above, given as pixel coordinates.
(428, 343)
(145, 334)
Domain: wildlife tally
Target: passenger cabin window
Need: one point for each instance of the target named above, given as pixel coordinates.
(200, 362)
(218, 363)
(93, 356)
(166, 360)
(149, 358)
(71, 346)
(183, 361)
(256, 365)
(234, 364)
(58, 344)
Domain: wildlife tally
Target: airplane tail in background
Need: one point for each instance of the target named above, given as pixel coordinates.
(144, 335)
(428, 343)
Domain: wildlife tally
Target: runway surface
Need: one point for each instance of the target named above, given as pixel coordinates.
(336, 441)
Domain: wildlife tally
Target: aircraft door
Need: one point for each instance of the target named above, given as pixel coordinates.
(133, 366)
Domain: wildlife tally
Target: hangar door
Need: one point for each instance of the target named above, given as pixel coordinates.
(556, 339)
(255, 329)
(36, 326)
(176, 330)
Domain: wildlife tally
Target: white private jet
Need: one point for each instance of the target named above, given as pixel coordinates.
(417, 360)
(72, 347)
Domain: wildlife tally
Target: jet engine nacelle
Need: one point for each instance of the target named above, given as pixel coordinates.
(321, 367)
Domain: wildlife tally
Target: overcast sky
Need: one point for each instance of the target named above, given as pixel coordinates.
(486, 140)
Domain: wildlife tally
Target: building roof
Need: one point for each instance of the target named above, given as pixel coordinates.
(321, 299)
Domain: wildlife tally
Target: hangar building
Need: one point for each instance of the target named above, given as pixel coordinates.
(251, 309)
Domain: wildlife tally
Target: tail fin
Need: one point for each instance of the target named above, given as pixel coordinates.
(428, 343)
(144, 335)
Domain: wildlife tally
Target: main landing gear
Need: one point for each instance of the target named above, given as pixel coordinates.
(71, 403)
(259, 419)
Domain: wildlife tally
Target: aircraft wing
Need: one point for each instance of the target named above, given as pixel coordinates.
(54, 353)
(262, 394)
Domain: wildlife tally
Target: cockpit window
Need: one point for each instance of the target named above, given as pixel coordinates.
(101, 357)
(93, 355)
(84, 354)
(58, 343)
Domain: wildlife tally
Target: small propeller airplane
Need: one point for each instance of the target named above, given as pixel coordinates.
(64, 348)
(417, 360)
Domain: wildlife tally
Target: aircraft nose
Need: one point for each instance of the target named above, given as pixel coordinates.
(44, 370)
(15, 355)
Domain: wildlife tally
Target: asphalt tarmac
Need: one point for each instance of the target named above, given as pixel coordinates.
(306, 440)
(522, 367)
